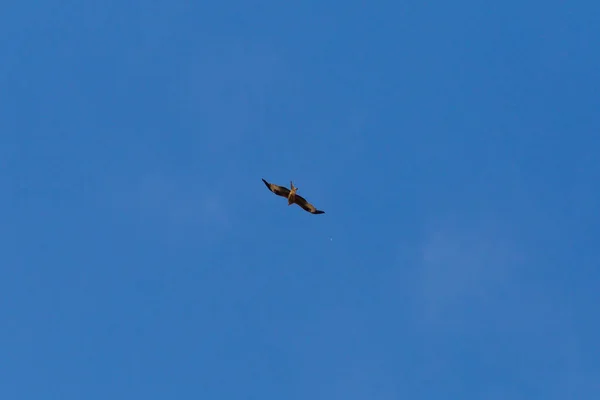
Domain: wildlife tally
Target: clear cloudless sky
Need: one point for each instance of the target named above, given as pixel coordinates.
(453, 146)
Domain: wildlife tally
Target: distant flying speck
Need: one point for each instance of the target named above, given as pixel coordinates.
(292, 197)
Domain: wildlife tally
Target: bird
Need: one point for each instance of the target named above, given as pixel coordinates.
(292, 196)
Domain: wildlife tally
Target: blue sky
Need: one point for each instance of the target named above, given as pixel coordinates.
(453, 146)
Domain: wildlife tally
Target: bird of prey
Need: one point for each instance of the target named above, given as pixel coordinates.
(292, 196)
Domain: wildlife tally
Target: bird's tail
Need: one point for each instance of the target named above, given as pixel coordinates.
(319, 212)
(266, 183)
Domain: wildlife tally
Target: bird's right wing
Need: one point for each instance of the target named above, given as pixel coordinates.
(302, 202)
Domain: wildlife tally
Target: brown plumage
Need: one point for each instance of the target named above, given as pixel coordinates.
(292, 197)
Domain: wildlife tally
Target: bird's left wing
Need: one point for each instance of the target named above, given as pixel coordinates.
(278, 190)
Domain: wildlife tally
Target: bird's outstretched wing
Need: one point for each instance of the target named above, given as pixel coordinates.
(301, 201)
(278, 190)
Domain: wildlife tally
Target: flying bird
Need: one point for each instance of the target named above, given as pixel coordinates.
(292, 196)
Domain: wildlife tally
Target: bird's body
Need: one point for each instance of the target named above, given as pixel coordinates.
(292, 197)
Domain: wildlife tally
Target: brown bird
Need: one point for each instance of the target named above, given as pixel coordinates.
(292, 196)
